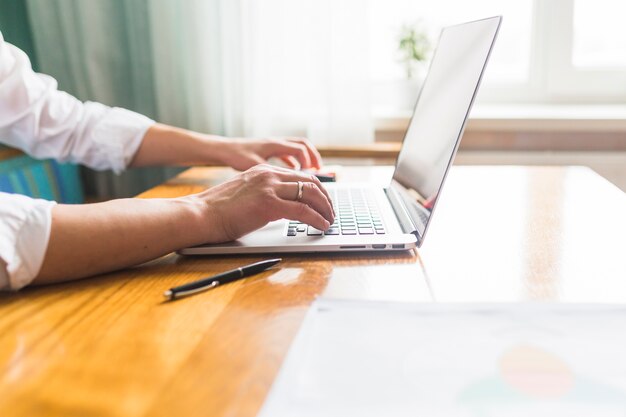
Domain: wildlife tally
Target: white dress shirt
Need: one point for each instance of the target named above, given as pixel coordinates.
(47, 123)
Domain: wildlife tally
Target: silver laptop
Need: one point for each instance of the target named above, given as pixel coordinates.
(397, 217)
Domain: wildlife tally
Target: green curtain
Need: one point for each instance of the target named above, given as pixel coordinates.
(101, 51)
(15, 27)
(178, 62)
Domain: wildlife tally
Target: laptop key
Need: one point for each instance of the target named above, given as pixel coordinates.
(301, 228)
(366, 231)
(380, 231)
(332, 232)
(348, 231)
(291, 233)
(312, 231)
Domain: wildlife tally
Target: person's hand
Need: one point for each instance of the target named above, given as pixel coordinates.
(295, 152)
(168, 145)
(260, 195)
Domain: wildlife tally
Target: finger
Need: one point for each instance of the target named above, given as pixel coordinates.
(290, 161)
(289, 175)
(311, 196)
(314, 155)
(294, 210)
(296, 150)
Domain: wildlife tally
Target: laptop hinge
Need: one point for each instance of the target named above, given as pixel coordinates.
(402, 215)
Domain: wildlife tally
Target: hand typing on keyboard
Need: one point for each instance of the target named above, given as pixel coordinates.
(260, 195)
(357, 214)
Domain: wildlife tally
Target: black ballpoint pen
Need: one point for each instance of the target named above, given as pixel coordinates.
(219, 279)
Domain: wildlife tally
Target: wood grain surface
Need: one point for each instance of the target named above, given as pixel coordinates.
(110, 346)
(9, 153)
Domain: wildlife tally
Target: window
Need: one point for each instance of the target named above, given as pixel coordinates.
(599, 35)
(586, 53)
(323, 68)
(509, 63)
(548, 51)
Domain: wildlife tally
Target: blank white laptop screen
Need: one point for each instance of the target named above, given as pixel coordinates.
(440, 113)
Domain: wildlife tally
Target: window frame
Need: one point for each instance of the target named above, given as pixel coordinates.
(552, 76)
(564, 81)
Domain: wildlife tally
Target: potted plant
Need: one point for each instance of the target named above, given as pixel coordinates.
(414, 48)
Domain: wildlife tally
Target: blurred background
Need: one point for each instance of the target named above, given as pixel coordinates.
(344, 72)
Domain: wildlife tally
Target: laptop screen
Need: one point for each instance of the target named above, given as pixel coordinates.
(442, 108)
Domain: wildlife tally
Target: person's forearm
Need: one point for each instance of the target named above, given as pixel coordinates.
(89, 239)
(167, 145)
(94, 238)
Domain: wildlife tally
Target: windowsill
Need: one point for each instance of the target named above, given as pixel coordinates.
(525, 118)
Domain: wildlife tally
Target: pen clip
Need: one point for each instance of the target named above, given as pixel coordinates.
(174, 295)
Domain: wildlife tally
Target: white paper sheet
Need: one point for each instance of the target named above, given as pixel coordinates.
(392, 359)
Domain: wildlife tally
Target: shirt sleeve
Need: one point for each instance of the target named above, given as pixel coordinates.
(47, 123)
(24, 233)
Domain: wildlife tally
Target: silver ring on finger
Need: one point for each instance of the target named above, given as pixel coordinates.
(300, 190)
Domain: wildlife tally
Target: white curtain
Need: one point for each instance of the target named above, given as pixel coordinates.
(197, 49)
(307, 69)
(264, 68)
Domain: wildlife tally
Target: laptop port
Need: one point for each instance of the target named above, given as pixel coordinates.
(397, 246)
(378, 246)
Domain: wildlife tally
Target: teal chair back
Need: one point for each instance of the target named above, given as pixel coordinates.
(41, 179)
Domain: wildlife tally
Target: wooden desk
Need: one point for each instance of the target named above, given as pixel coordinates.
(110, 346)
(8, 153)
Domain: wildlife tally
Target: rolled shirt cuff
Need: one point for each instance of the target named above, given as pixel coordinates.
(117, 137)
(24, 234)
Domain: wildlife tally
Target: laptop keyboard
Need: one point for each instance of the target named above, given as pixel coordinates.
(356, 214)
